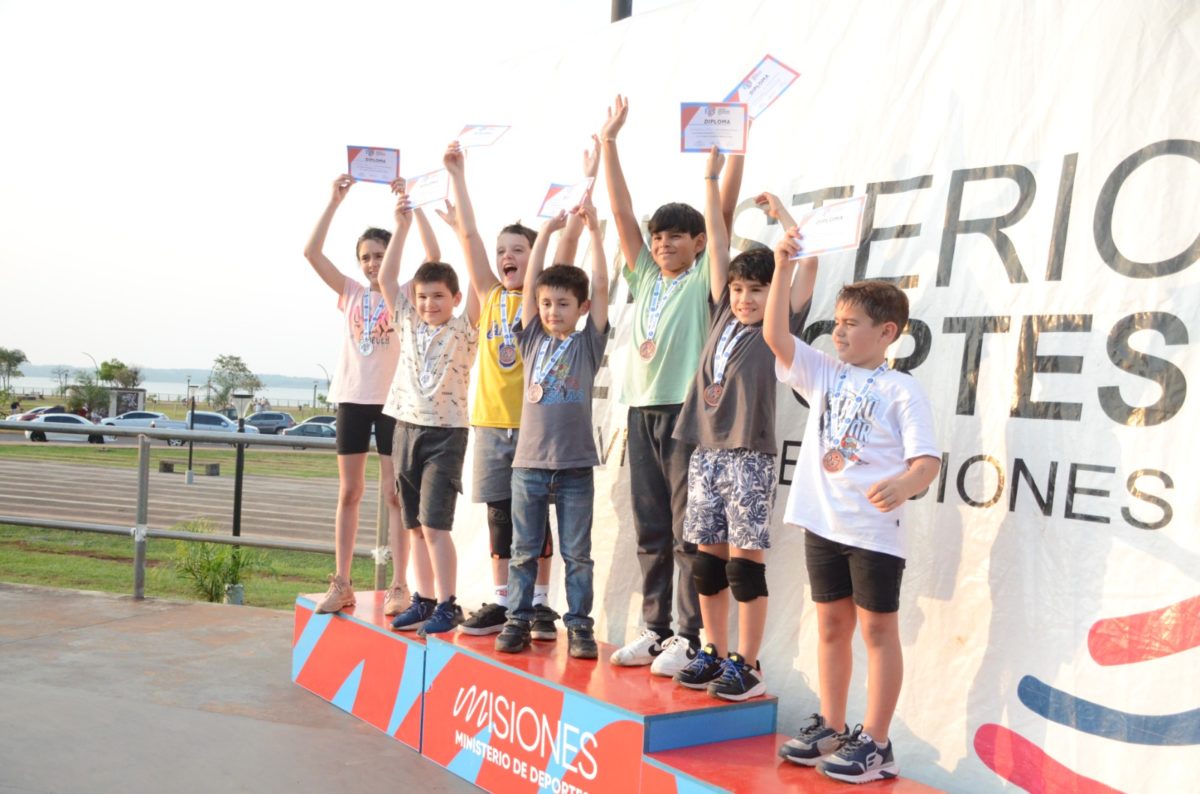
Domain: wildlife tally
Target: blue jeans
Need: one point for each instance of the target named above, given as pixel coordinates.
(573, 491)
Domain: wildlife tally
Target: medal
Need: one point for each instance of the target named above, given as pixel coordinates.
(721, 354)
(424, 344)
(647, 349)
(712, 395)
(542, 366)
(654, 310)
(365, 347)
(426, 380)
(507, 355)
(534, 393)
(833, 461)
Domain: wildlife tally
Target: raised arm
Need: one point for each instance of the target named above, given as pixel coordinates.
(628, 231)
(776, 331)
(731, 186)
(806, 269)
(433, 252)
(389, 272)
(314, 248)
(568, 241)
(479, 269)
(537, 260)
(599, 307)
(714, 221)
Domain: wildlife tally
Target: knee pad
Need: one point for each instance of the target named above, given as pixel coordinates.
(747, 579)
(708, 572)
(500, 528)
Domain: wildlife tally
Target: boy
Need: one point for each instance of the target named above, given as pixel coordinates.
(669, 282)
(556, 451)
(429, 401)
(869, 447)
(496, 414)
(730, 416)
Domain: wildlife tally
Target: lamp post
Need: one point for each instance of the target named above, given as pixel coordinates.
(191, 394)
(326, 383)
(314, 402)
(95, 366)
(240, 401)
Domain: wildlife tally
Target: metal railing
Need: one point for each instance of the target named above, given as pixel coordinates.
(140, 532)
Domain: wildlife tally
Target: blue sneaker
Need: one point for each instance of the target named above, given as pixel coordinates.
(445, 617)
(702, 670)
(860, 760)
(814, 741)
(739, 681)
(415, 616)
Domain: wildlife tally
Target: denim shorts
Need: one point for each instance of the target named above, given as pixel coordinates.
(429, 463)
(491, 463)
(837, 571)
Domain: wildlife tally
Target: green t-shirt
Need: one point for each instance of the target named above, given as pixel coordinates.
(678, 339)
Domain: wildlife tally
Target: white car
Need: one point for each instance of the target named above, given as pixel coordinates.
(207, 420)
(136, 419)
(40, 429)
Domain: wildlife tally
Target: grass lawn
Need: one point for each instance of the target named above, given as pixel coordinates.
(259, 461)
(90, 561)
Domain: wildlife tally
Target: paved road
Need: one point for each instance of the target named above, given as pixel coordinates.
(276, 507)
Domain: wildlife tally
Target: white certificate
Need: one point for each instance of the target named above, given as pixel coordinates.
(427, 188)
(373, 165)
(763, 85)
(705, 124)
(481, 134)
(833, 227)
(561, 198)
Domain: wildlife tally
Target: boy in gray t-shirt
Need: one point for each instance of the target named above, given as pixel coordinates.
(555, 451)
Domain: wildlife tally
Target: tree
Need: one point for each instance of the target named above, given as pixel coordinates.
(63, 374)
(229, 374)
(10, 363)
(116, 371)
(87, 394)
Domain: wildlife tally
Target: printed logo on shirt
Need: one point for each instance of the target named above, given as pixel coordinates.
(560, 386)
(858, 435)
(381, 333)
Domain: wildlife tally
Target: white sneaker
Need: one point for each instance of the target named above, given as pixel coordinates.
(639, 652)
(676, 653)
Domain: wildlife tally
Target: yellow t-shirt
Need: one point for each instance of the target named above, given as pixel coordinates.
(499, 390)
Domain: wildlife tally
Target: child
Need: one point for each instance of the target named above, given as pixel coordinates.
(669, 282)
(556, 451)
(730, 415)
(429, 401)
(869, 447)
(500, 391)
(359, 388)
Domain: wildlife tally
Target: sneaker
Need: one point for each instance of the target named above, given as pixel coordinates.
(704, 668)
(514, 637)
(415, 616)
(488, 619)
(396, 598)
(739, 681)
(860, 760)
(814, 741)
(339, 597)
(639, 652)
(543, 627)
(582, 642)
(445, 617)
(676, 653)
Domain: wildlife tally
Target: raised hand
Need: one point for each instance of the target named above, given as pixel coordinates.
(449, 215)
(398, 185)
(714, 164)
(587, 212)
(453, 159)
(770, 204)
(554, 224)
(788, 246)
(403, 211)
(341, 186)
(615, 119)
(591, 158)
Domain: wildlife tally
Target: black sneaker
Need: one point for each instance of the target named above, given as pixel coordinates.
(814, 741)
(703, 669)
(415, 616)
(514, 637)
(582, 642)
(739, 681)
(444, 618)
(488, 619)
(543, 627)
(860, 760)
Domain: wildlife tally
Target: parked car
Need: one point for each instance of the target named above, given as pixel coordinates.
(322, 419)
(310, 430)
(153, 419)
(271, 421)
(207, 420)
(41, 425)
(25, 416)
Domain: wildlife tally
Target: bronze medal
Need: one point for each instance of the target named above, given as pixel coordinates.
(712, 394)
(833, 461)
(534, 393)
(507, 355)
(647, 349)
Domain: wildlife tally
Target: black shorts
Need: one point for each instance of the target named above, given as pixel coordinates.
(837, 571)
(429, 464)
(354, 424)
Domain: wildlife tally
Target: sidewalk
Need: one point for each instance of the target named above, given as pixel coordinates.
(102, 693)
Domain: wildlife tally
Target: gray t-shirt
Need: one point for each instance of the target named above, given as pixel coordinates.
(556, 431)
(744, 416)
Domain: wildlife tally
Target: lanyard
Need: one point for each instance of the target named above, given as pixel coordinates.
(505, 325)
(725, 348)
(424, 343)
(542, 367)
(658, 300)
(837, 439)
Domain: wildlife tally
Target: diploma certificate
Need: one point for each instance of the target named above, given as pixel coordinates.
(481, 134)
(763, 85)
(833, 227)
(373, 165)
(427, 188)
(564, 197)
(705, 124)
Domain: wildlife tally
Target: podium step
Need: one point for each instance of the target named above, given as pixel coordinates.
(749, 765)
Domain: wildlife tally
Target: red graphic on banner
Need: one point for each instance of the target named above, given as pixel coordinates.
(1023, 763)
(1148, 635)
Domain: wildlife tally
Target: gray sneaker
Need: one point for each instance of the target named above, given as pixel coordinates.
(814, 741)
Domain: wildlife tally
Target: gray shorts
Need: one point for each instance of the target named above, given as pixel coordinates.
(429, 463)
(491, 469)
(730, 495)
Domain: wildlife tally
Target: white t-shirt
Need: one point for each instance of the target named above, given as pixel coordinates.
(358, 378)
(892, 424)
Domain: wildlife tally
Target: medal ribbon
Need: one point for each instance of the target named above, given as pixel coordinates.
(658, 301)
(369, 317)
(505, 326)
(539, 371)
(424, 342)
(836, 439)
(724, 350)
